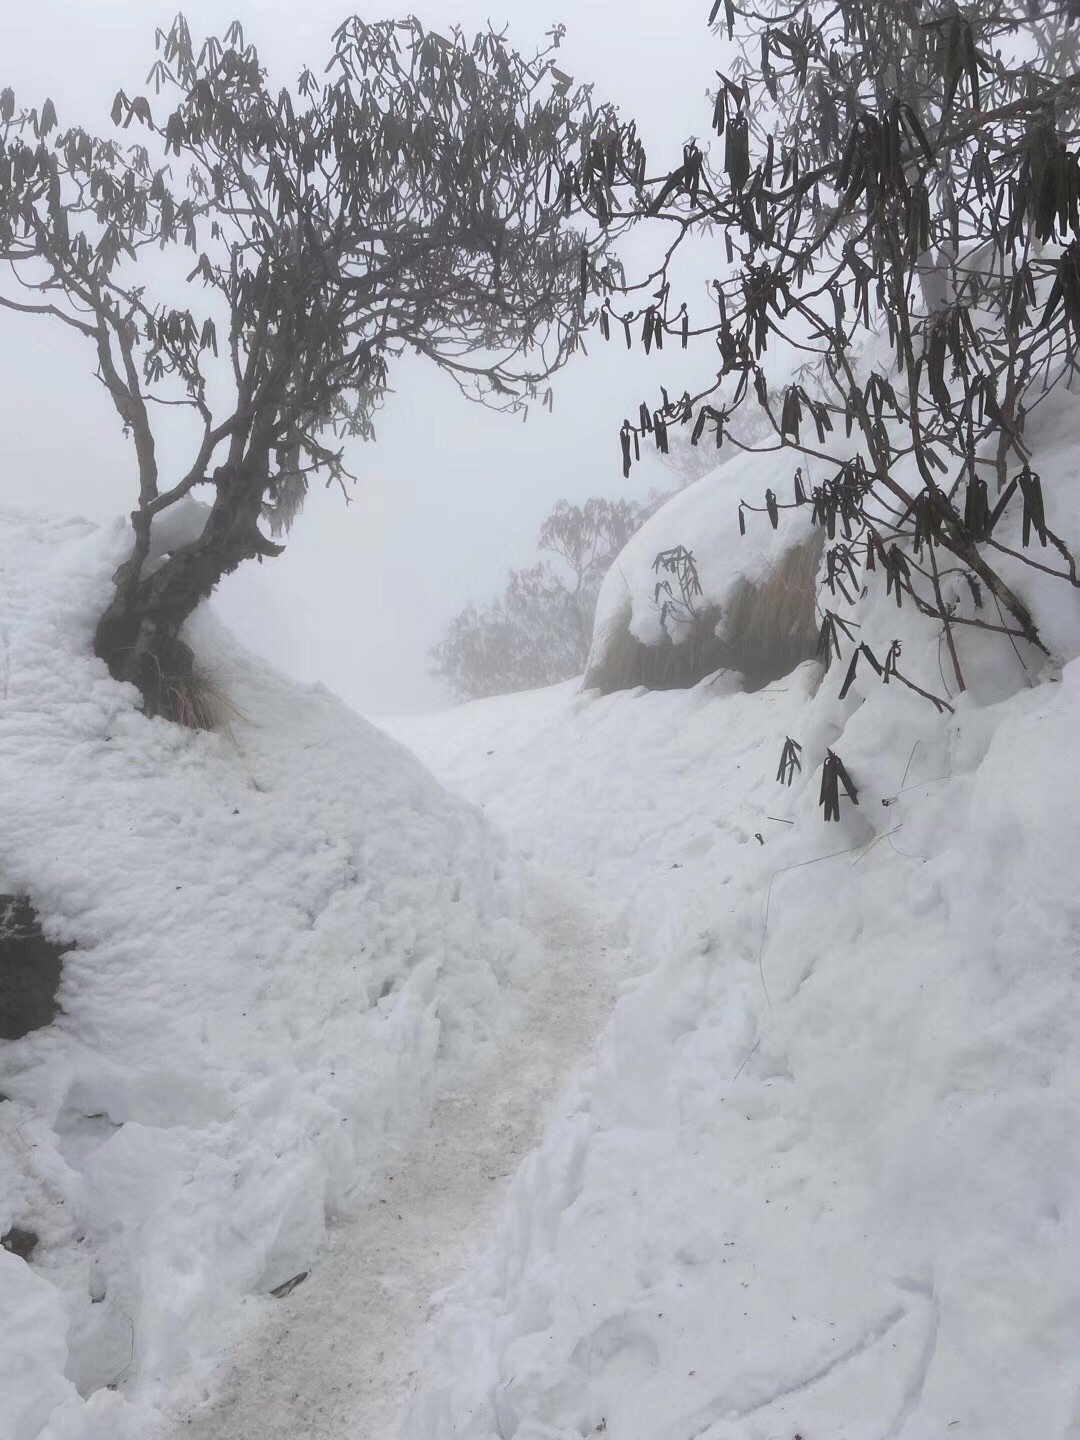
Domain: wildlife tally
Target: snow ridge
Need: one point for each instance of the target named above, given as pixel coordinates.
(288, 942)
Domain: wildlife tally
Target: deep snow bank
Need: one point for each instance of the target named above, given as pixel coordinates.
(823, 1179)
(338, 1357)
(286, 941)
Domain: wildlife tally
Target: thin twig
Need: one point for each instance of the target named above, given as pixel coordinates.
(1013, 643)
(799, 865)
(746, 1062)
(877, 841)
(946, 622)
(907, 767)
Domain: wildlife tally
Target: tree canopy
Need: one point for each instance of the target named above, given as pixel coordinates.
(893, 199)
(427, 194)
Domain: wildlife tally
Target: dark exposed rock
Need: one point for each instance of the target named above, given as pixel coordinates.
(20, 1242)
(30, 969)
(627, 663)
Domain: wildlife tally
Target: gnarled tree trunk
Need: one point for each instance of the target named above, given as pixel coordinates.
(138, 636)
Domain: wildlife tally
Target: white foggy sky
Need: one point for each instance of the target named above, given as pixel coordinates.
(451, 496)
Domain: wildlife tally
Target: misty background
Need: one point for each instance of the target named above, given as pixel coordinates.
(451, 496)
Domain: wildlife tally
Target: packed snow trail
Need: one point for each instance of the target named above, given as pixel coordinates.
(336, 1357)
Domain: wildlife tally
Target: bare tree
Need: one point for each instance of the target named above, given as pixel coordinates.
(431, 195)
(539, 630)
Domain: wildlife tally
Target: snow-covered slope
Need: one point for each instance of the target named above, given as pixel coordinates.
(287, 942)
(823, 1179)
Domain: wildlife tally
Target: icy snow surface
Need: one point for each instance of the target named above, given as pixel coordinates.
(339, 1354)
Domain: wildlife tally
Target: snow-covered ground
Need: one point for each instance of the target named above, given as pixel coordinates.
(290, 943)
(817, 1171)
(823, 1177)
(338, 1356)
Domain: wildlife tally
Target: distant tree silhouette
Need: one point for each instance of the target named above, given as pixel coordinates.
(539, 630)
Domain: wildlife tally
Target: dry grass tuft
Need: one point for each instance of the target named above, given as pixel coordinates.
(196, 700)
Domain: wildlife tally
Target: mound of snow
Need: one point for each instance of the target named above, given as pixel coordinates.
(287, 941)
(823, 1178)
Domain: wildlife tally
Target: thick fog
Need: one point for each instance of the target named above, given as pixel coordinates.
(451, 495)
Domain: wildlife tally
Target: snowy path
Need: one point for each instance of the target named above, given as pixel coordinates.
(336, 1357)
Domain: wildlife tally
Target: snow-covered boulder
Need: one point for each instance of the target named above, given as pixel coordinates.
(746, 603)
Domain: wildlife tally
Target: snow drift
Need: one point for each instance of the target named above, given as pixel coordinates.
(823, 1178)
(287, 942)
